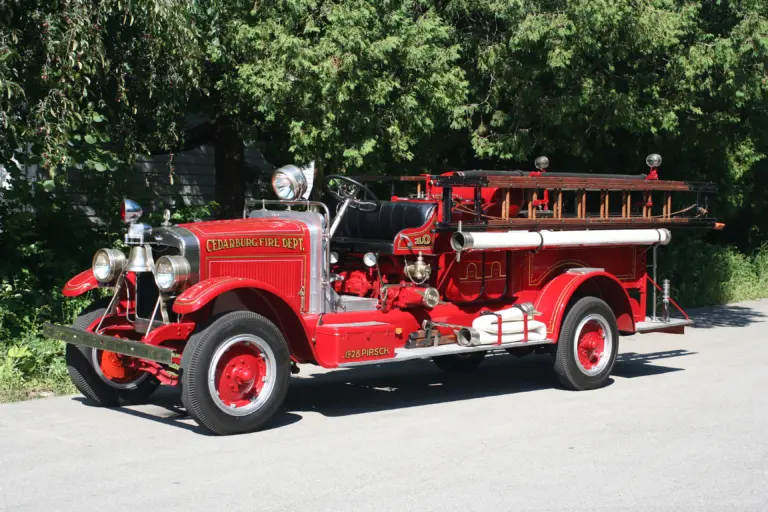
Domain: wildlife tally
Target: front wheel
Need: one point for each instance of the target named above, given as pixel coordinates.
(235, 373)
(587, 347)
(105, 378)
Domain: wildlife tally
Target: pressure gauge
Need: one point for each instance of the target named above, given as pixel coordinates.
(370, 259)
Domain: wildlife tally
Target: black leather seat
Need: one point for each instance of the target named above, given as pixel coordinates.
(376, 231)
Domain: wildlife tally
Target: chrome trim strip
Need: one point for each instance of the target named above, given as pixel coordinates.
(407, 354)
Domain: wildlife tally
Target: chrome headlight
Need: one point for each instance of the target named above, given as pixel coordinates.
(108, 264)
(653, 160)
(289, 182)
(171, 272)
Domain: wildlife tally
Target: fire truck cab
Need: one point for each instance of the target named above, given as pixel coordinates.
(467, 263)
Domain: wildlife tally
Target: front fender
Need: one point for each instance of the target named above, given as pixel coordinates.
(556, 295)
(264, 299)
(197, 296)
(81, 283)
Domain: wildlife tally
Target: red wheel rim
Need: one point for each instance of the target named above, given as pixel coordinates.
(117, 370)
(594, 344)
(239, 375)
(242, 375)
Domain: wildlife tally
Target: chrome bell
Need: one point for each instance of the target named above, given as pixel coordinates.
(138, 261)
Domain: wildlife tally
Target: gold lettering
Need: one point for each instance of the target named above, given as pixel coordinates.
(289, 243)
(366, 352)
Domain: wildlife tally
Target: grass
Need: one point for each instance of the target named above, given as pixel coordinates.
(18, 391)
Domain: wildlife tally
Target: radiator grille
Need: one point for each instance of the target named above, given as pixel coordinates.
(284, 273)
(146, 294)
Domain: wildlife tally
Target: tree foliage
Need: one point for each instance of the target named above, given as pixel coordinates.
(369, 86)
(355, 85)
(90, 83)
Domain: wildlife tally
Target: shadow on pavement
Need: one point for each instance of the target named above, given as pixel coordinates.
(398, 386)
(730, 315)
(174, 414)
(378, 388)
(632, 364)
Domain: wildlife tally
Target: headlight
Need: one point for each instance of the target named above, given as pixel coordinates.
(171, 272)
(653, 160)
(107, 264)
(289, 182)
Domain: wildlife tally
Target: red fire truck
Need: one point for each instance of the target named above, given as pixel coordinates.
(466, 263)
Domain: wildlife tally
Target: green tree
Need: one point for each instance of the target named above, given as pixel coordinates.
(357, 85)
(599, 83)
(354, 85)
(90, 83)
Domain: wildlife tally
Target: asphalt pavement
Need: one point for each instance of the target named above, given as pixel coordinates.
(682, 426)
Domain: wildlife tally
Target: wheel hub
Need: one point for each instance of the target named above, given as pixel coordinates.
(117, 370)
(593, 344)
(242, 375)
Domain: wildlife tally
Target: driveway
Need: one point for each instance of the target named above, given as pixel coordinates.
(683, 425)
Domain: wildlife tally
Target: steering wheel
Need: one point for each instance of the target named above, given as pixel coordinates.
(343, 188)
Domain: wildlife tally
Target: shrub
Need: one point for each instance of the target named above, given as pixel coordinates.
(704, 274)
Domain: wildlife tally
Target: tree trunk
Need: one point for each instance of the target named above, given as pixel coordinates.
(229, 160)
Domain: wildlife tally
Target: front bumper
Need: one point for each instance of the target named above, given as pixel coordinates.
(117, 345)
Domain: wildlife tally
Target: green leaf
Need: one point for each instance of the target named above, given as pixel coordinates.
(90, 139)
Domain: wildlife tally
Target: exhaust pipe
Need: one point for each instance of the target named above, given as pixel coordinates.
(467, 337)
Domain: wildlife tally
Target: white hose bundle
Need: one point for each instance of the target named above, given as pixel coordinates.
(485, 329)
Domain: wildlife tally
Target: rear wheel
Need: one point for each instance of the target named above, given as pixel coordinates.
(459, 363)
(105, 378)
(587, 346)
(235, 373)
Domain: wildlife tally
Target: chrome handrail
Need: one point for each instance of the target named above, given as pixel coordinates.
(307, 204)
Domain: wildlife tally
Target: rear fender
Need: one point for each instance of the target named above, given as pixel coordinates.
(81, 283)
(232, 293)
(555, 297)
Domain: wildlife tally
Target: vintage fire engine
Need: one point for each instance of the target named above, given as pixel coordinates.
(470, 262)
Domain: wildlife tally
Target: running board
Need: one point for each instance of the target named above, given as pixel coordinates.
(407, 354)
(673, 326)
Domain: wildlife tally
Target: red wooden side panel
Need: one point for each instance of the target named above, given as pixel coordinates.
(478, 276)
(621, 262)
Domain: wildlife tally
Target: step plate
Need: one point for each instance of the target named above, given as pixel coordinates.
(407, 354)
(674, 326)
